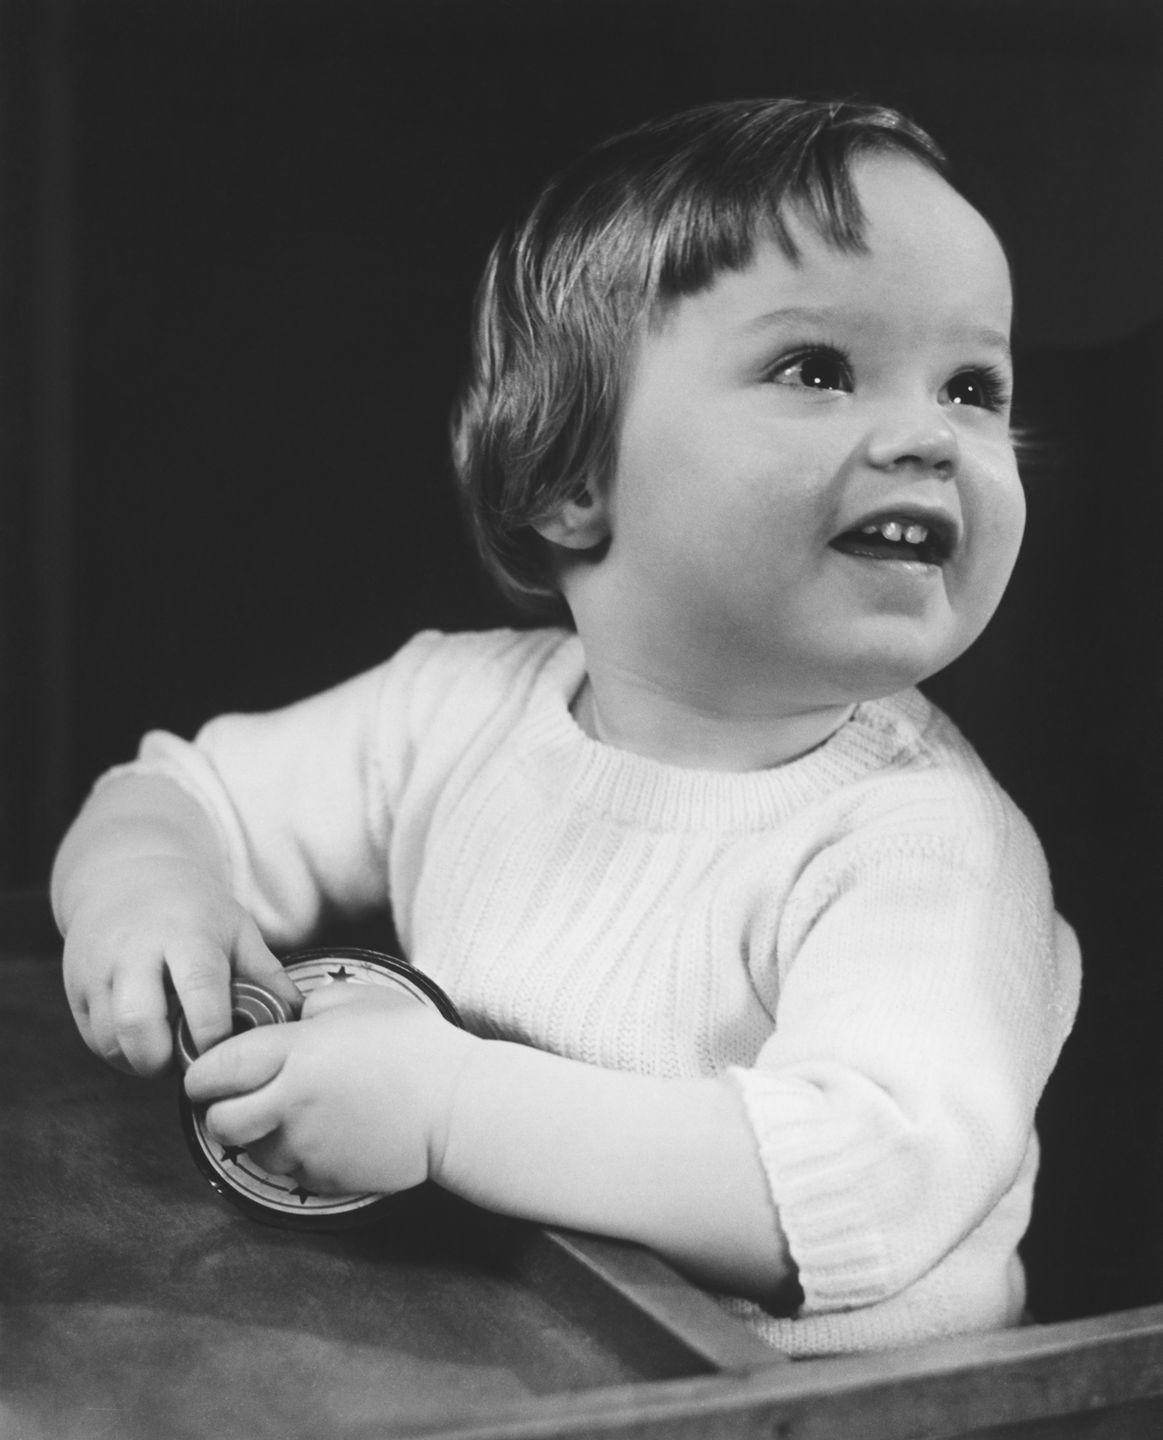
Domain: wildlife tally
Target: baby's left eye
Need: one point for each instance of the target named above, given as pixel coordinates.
(978, 388)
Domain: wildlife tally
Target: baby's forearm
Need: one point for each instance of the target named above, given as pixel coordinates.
(670, 1164)
(127, 821)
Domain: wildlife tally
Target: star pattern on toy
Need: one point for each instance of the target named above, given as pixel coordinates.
(302, 1195)
(230, 1154)
(343, 973)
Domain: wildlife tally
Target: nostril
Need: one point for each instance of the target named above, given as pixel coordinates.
(942, 466)
(930, 445)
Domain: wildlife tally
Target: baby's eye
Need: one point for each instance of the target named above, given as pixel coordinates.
(983, 389)
(814, 370)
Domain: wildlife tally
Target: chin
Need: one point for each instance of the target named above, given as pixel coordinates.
(873, 676)
(889, 658)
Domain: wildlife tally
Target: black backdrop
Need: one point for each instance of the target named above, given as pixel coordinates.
(238, 241)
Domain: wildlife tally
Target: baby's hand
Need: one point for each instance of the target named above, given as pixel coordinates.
(355, 1096)
(154, 921)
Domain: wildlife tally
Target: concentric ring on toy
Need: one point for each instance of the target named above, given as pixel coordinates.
(278, 1199)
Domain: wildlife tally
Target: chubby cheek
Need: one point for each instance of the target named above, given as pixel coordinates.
(668, 506)
(999, 521)
(1009, 516)
(696, 473)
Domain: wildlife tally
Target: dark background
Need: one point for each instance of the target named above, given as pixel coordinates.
(238, 243)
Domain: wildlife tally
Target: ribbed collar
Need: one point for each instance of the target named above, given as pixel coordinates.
(652, 794)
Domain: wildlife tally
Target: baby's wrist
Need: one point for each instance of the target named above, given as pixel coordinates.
(453, 1080)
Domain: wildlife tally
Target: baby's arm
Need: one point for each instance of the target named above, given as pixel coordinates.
(669, 1163)
(140, 893)
(180, 864)
(371, 1092)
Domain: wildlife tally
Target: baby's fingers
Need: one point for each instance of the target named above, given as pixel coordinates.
(99, 1032)
(273, 1153)
(200, 970)
(119, 1007)
(239, 1067)
(139, 1020)
(88, 977)
(236, 1081)
(254, 961)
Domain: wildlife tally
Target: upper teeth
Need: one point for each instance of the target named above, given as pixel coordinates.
(894, 530)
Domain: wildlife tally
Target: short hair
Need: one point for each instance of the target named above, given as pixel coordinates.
(649, 216)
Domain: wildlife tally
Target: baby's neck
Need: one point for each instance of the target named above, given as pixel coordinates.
(633, 712)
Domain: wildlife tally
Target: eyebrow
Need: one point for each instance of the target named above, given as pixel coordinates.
(984, 335)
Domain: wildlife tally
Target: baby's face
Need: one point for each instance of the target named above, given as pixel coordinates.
(815, 473)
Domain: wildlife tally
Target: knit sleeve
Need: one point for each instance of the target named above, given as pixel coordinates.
(927, 989)
(303, 797)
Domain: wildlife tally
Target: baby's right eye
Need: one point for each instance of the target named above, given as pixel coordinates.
(819, 369)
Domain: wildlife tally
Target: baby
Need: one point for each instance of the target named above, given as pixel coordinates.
(760, 967)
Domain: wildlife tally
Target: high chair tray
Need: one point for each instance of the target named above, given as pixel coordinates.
(136, 1304)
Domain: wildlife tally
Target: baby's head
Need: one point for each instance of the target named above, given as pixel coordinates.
(643, 220)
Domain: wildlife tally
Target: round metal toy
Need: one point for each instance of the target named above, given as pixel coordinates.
(279, 1199)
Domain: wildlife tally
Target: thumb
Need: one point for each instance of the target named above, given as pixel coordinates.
(240, 1064)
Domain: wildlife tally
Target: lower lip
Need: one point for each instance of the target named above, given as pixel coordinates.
(911, 572)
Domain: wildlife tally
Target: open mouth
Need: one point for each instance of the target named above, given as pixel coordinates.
(898, 537)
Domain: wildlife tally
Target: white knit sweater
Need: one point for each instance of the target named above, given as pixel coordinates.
(864, 937)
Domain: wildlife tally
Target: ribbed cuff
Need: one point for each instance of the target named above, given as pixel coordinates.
(819, 1160)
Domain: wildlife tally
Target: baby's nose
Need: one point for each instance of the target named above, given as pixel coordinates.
(924, 441)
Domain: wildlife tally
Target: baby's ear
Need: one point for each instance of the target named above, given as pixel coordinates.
(580, 523)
